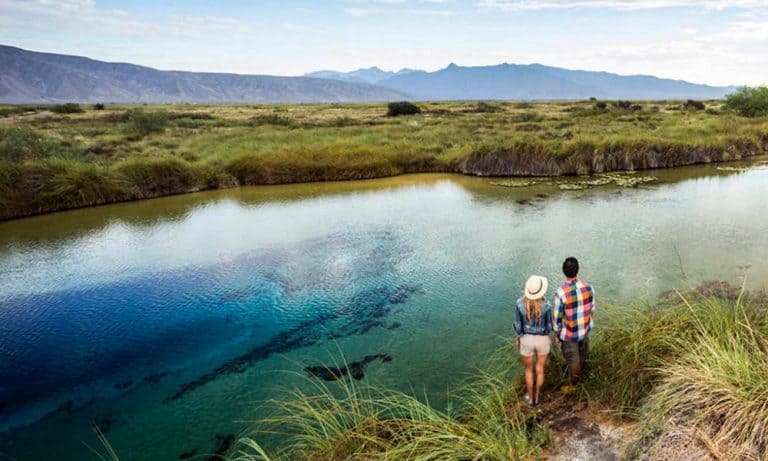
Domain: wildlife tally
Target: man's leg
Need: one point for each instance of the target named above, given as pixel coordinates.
(541, 361)
(583, 353)
(528, 362)
(571, 355)
(575, 373)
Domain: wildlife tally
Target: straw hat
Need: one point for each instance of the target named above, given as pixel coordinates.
(536, 287)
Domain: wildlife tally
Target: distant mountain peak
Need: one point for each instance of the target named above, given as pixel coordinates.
(372, 75)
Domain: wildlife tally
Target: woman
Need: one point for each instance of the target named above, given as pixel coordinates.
(533, 323)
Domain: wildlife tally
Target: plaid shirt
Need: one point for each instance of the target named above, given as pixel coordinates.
(574, 305)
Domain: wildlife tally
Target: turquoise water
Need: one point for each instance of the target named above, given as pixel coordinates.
(168, 321)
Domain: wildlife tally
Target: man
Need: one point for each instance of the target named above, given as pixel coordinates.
(574, 306)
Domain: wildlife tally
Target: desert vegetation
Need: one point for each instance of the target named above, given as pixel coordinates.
(52, 158)
(687, 374)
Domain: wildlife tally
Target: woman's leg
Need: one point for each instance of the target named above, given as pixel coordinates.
(541, 362)
(528, 362)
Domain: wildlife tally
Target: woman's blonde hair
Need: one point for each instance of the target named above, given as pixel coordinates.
(533, 310)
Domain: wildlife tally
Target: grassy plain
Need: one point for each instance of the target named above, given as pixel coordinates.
(51, 161)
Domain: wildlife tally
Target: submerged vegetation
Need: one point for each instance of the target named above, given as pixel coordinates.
(691, 372)
(53, 159)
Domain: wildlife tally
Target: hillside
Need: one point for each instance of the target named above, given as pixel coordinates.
(31, 77)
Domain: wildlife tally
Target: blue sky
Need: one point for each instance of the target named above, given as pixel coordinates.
(706, 41)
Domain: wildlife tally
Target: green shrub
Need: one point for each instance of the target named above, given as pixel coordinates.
(98, 106)
(143, 123)
(68, 108)
(694, 105)
(395, 109)
(749, 101)
(601, 105)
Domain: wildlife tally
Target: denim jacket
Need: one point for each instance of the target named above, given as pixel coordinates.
(524, 327)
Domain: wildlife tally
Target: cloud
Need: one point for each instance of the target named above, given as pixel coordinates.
(721, 61)
(78, 15)
(689, 31)
(520, 5)
(361, 11)
(742, 31)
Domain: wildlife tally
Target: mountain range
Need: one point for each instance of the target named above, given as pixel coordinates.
(34, 77)
(531, 81)
(371, 75)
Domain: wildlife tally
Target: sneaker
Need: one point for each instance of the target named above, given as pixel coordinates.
(527, 399)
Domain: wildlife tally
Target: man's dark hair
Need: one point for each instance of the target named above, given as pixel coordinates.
(571, 267)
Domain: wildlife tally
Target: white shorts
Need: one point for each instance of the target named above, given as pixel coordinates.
(534, 344)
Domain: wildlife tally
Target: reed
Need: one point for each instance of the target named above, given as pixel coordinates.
(352, 421)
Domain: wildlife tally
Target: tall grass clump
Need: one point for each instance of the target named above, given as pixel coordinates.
(160, 176)
(350, 421)
(749, 101)
(697, 363)
(76, 184)
(142, 123)
(20, 143)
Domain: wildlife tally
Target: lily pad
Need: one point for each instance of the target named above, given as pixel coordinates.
(519, 182)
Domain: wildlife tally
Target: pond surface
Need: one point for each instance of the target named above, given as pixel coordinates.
(168, 321)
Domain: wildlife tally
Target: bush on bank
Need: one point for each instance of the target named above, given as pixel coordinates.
(749, 101)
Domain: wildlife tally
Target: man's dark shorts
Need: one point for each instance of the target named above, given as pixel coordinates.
(575, 353)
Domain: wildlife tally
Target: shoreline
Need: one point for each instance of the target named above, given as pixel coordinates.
(57, 162)
(483, 165)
